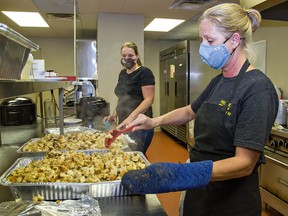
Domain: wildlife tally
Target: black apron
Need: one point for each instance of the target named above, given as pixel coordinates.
(216, 124)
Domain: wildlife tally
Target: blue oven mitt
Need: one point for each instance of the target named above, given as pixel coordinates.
(168, 177)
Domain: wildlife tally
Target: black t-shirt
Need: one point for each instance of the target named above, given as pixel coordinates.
(129, 92)
(255, 104)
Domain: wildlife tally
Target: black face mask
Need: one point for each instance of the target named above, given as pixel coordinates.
(128, 63)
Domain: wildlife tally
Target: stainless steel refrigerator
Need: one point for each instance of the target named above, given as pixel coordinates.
(183, 76)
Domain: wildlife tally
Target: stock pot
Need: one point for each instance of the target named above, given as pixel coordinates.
(281, 118)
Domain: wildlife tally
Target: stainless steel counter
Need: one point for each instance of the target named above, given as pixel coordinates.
(10, 88)
(8, 156)
(110, 206)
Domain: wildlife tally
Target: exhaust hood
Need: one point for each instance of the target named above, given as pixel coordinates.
(277, 12)
(191, 4)
(269, 9)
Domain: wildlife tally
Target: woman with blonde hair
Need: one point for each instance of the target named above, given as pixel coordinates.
(233, 119)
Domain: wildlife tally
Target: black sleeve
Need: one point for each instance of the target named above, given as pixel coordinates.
(147, 77)
(256, 119)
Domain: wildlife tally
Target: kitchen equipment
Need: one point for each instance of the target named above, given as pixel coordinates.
(14, 52)
(83, 89)
(273, 174)
(281, 118)
(115, 134)
(92, 110)
(91, 80)
(18, 111)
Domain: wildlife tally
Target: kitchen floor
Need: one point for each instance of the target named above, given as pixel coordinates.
(164, 148)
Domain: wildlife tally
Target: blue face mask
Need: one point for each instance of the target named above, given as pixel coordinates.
(215, 56)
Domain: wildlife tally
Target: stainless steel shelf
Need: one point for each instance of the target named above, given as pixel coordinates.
(14, 88)
(11, 88)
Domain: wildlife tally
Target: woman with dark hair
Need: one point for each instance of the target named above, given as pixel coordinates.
(135, 94)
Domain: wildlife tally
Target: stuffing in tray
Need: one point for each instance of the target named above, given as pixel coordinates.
(74, 141)
(78, 167)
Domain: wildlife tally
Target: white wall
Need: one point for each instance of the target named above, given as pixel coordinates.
(112, 31)
(277, 48)
(57, 52)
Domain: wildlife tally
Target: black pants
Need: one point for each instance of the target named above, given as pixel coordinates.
(142, 140)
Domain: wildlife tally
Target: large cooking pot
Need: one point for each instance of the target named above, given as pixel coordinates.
(281, 118)
(18, 111)
(92, 109)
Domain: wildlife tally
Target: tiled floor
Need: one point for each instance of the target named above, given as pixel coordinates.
(165, 149)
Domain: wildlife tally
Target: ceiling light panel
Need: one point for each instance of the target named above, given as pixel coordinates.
(26, 19)
(163, 25)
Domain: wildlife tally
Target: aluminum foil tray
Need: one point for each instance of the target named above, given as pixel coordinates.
(75, 129)
(42, 154)
(61, 191)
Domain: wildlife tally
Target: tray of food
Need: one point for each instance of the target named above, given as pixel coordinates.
(84, 141)
(68, 175)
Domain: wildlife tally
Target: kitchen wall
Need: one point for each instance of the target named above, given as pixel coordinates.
(57, 52)
(112, 31)
(277, 47)
(58, 55)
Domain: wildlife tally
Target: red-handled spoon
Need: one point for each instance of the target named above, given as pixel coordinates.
(115, 134)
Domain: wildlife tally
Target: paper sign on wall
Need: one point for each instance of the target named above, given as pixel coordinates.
(172, 71)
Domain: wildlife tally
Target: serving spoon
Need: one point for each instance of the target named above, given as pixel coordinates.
(115, 134)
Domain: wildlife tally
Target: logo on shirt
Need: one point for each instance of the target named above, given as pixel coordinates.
(223, 103)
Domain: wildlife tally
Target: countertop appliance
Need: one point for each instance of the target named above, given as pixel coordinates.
(18, 111)
(83, 89)
(92, 110)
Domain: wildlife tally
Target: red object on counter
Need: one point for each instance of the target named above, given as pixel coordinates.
(69, 78)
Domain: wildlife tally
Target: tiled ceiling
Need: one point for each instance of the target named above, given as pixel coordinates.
(62, 24)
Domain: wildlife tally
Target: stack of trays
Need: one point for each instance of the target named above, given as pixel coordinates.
(62, 190)
(42, 153)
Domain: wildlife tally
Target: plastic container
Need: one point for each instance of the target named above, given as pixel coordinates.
(50, 113)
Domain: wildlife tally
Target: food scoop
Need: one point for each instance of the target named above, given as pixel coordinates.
(115, 134)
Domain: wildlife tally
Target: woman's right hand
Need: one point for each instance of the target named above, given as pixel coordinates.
(142, 122)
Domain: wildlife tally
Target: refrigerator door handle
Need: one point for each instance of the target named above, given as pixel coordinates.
(167, 88)
(176, 91)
